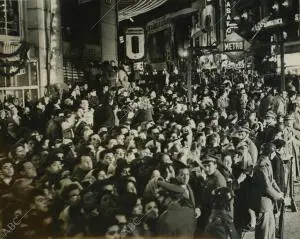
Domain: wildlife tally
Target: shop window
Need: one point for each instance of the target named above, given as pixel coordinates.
(26, 77)
(135, 44)
(9, 18)
(159, 46)
(23, 85)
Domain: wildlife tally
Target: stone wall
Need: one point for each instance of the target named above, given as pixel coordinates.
(108, 28)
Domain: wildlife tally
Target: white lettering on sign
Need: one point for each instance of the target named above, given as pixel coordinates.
(297, 17)
(234, 46)
(162, 21)
(228, 12)
(135, 31)
(273, 23)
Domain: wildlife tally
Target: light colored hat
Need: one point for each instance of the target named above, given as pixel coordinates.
(270, 114)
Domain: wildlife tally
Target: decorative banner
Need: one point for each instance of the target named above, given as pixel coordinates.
(138, 66)
(20, 56)
(142, 6)
(208, 26)
(135, 43)
(207, 62)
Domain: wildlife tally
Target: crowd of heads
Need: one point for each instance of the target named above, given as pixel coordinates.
(92, 161)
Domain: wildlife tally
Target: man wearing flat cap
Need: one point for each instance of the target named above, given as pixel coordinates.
(214, 180)
(176, 220)
(270, 129)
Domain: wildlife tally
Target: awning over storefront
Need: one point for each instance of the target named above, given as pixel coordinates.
(142, 6)
(163, 21)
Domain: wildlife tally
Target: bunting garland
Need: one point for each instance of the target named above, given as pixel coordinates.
(142, 6)
(6, 65)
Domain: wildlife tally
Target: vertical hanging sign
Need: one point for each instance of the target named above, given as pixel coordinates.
(229, 26)
(228, 13)
(135, 43)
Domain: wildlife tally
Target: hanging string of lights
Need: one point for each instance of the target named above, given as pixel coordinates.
(138, 8)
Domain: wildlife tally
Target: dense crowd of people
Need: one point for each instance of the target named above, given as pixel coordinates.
(136, 159)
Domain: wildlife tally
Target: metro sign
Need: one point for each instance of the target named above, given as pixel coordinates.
(297, 18)
(234, 46)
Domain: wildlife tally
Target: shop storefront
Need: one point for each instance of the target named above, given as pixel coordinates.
(166, 35)
(23, 85)
(19, 73)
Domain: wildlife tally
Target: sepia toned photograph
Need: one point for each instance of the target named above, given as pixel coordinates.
(127, 119)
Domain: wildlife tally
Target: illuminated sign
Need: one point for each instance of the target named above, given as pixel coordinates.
(228, 11)
(234, 46)
(273, 23)
(157, 24)
(135, 43)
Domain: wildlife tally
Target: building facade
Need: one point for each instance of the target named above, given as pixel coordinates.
(31, 54)
(89, 29)
(37, 37)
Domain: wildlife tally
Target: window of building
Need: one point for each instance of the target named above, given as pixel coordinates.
(159, 45)
(9, 18)
(24, 85)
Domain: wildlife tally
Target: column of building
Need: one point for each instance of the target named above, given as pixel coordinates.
(44, 34)
(108, 29)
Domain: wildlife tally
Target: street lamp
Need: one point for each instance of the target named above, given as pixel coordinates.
(285, 3)
(187, 55)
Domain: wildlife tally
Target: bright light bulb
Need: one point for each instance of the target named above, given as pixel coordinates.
(285, 35)
(245, 15)
(237, 18)
(275, 7)
(285, 3)
(185, 53)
